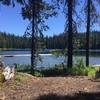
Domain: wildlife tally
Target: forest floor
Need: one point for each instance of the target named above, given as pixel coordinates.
(27, 87)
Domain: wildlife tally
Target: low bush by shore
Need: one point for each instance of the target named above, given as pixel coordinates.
(78, 69)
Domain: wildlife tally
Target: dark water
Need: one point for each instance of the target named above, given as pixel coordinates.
(48, 60)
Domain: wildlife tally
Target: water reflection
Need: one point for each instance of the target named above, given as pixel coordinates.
(47, 60)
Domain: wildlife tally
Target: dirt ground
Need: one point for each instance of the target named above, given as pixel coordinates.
(51, 88)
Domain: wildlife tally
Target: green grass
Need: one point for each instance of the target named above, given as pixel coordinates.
(37, 74)
(23, 68)
(20, 77)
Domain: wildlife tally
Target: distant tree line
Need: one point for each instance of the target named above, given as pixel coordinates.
(50, 42)
(79, 41)
(12, 41)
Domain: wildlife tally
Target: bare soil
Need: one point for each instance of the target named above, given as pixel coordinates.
(50, 88)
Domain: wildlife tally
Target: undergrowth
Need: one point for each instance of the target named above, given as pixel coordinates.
(78, 69)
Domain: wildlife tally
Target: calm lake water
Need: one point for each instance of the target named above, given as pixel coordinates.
(48, 60)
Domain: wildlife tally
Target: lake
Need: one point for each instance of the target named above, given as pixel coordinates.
(48, 60)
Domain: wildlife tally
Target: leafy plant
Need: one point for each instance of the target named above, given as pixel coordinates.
(78, 68)
(23, 67)
(80, 63)
(37, 73)
(91, 73)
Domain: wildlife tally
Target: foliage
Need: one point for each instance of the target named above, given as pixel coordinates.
(58, 52)
(59, 41)
(12, 41)
(61, 70)
(90, 5)
(76, 71)
(37, 74)
(78, 68)
(76, 43)
(54, 71)
(43, 10)
(37, 12)
(20, 77)
(54, 42)
(91, 72)
(80, 63)
(11, 2)
(23, 67)
(26, 69)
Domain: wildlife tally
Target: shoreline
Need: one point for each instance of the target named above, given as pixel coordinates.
(18, 55)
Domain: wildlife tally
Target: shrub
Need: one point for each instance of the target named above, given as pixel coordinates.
(77, 71)
(54, 71)
(78, 68)
(92, 73)
(80, 63)
(23, 67)
(38, 74)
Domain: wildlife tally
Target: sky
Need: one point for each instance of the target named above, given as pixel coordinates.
(12, 22)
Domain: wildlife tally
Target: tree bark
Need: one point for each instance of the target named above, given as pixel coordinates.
(33, 37)
(88, 33)
(70, 34)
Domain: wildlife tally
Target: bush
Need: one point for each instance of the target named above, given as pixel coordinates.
(92, 74)
(79, 63)
(37, 74)
(54, 71)
(78, 71)
(78, 68)
(61, 69)
(23, 67)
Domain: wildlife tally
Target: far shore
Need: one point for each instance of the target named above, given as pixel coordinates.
(18, 55)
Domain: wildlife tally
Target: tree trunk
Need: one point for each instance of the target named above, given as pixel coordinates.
(88, 33)
(33, 37)
(70, 34)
